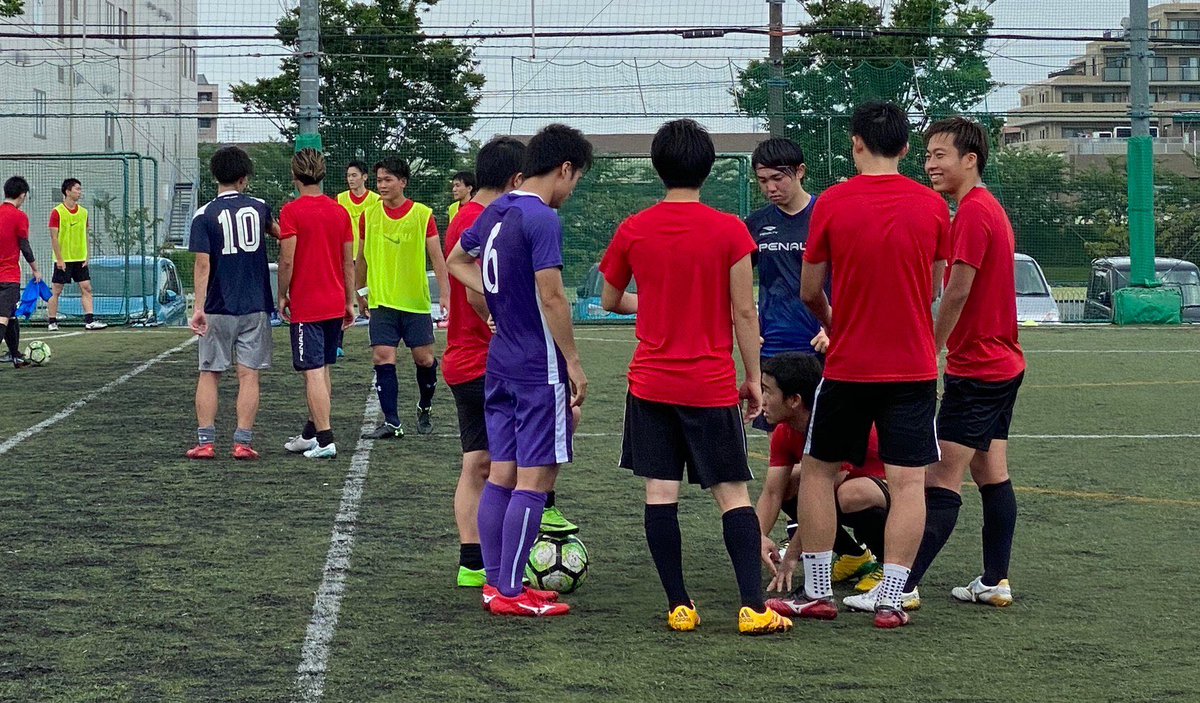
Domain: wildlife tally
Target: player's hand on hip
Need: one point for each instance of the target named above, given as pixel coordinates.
(770, 554)
(751, 394)
(60, 265)
(782, 581)
(579, 382)
(820, 343)
(199, 323)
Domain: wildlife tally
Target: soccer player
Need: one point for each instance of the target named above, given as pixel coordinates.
(14, 243)
(884, 237)
(356, 199)
(681, 411)
(316, 277)
(463, 188)
(233, 299)
(534, 376)
(69, 239)
(399, 233)
(977, 321)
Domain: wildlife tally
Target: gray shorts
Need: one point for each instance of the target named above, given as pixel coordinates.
(249, 334)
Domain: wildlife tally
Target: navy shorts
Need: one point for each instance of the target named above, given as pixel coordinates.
(973, 413)
(529, 423)
(903, 415)
(10, 297)
(389, 327)
(74, 272)
(663, 442)
(315, 344)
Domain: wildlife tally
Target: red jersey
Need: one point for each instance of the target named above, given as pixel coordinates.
(880, 236)
(680, 254)
(467, 335)
(54, 216)
(983, 345)
(321, 228)
(787, 447)
(14, 226)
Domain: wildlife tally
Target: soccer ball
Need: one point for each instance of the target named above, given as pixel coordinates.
(37, 353)
(557, 563)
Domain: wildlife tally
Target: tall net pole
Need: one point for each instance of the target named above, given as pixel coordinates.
(309, 108)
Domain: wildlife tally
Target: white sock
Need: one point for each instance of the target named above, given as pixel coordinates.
(891, 592)
(818, 574)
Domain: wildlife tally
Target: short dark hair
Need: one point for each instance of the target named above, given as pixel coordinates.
(498, 161)
(969, 137)
(15, 187)
(230, 164)
(394, 165)
(308, 166)
(555, 145)
(780, 153)
(883, 127)
(467, 178)
(795, 373)
(683, 154)
(362, 167)
(69, 184)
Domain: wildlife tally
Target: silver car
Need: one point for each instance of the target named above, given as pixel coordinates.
(1034, 300)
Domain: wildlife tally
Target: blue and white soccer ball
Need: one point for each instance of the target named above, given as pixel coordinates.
(37, 353)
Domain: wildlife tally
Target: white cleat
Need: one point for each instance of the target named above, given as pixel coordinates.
(865, 602)
(999, 595)
(328, 451)
(52, 327)
(300, 445)
(95, 325)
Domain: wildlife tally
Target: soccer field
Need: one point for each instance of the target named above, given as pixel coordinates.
(131, 574)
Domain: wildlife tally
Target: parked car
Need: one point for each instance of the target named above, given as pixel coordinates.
(587, 300)
(1035, 302)
(117, 291)
(1112, 274)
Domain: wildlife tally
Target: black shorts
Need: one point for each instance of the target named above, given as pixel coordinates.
(10, 297)
(388, 327)
(661, 440)
(973, 413)
(315, 344)
(472, 424)
(76, 272)
(903, 415)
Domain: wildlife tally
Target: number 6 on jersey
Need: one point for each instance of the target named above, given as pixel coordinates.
(491, 263)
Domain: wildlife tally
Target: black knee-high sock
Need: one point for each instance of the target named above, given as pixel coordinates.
(427, 384)
(470, 555)
(387, 387)
(743, 537)
(791, 508)
(941, 514)
(999, 523)
(549, 500)
(868, 528)
(12, 336)
(4, 336)
(666, 547)
(843, 543)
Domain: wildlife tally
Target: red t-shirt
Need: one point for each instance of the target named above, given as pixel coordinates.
(787, 448)
(983, 345)
(398, 213)
(14, 226)
(362, 216)
(680, 254)
(321, 228)
(880, 236)
(467, 335)
(54, 216)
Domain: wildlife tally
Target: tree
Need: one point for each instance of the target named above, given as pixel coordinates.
(828, 74)
(271, 182)
(11, 8)
(1032, 185)
(385, 88)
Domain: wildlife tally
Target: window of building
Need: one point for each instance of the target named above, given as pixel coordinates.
(204, 96)
(1189, 97)
(75, 9)
(1076, 132)
(62, 75)
(1158, 68)
(1110, 97)
(1189, 68)
(1042, 133)
(110, 131)
(187, 62)
(204, 123)
(123, 27)
(39, 114)
(1116, 68)
(1184, 29)
(1072, 97)
(112, 21)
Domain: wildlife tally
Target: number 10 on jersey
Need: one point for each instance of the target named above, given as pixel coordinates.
(242, 230)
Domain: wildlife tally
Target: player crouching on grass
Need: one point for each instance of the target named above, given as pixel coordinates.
(316, 280)
(682, 411)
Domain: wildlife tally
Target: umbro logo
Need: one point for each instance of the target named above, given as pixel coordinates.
(537, 609)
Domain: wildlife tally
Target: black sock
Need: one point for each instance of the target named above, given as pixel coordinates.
(12, 336)
(87, 318)
(999, 523)
(309, 431)
(868, 528)
(844, 544)
(387, 387)
(549, 500)
(51, 320)
(470, 555)
(4, 336)
(743, 537)
(941, 514)
(325, 437)
(427, 384)
(666, 547)
(791, 508)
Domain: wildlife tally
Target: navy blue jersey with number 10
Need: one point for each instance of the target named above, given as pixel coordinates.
(232, 229)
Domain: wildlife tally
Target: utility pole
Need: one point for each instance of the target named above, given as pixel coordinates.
(309, 39)
(776, 83)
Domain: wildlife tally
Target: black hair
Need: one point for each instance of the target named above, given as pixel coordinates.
(780, 153)
(555, 145)
(467, 178)
(682, 154)
(230, 164)
(394, 165)
(498, 161)
(69, 184)
(362, 167)
(15, 187)
(796, 374)
(969, 137)
(883, 127)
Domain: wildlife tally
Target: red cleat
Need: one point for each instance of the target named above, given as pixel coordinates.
(202, 451)
(243, 452)
(526, 605)
(890, 618)
(797, 604)
(489, 592)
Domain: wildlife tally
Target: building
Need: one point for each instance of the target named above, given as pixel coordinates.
(1083, 109)
(639, 144)
(208, 97)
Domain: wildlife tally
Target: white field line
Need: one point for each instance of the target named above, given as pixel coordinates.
(314, 656)
(52, 336)
(68, 411)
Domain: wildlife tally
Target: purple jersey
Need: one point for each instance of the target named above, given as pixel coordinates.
(517, 236)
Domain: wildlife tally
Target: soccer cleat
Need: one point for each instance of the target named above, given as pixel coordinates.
(768, 622)
(385, 431)
(328, 451)
(52, 327)
(783, 547)
(683, 618)
(490, 592)
(553, 523)
(888, 618)
(19, 361)
(95, 325)
(797, 604)
(847, 567)
(526, 605)
(865, 602)
(471, 578)
(999, 595)
(299, 444)
(871, 580)
(5, 358)
(202, 451)
(424, 421)
(244, 452)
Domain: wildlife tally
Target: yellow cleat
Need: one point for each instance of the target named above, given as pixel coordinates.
(871, 580)
(847, 567)
(765, 623)
(683, 618)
